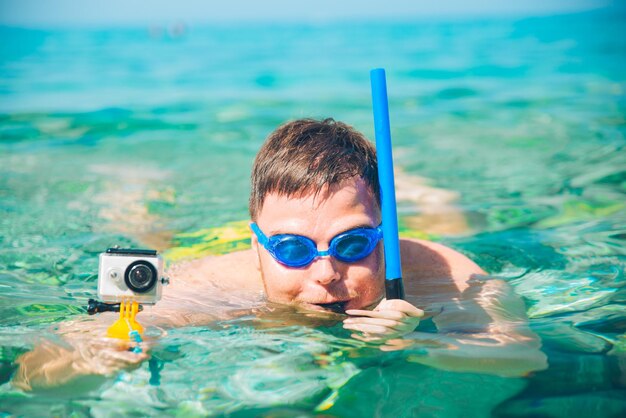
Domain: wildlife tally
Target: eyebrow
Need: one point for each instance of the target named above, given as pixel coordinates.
(271, 233)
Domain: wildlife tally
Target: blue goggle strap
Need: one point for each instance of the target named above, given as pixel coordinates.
(259, 234)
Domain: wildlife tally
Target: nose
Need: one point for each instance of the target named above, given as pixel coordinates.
(323, 270)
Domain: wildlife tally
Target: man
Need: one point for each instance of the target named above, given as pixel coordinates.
(316, 243)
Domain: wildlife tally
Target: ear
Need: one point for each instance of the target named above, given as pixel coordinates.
(254, 242)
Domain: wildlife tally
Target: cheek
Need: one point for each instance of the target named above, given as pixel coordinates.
(281, 283)
(380, 261)
(375, 263)
(368, 277)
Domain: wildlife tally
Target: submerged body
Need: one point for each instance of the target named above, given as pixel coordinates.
(317, 180)
(481, 323)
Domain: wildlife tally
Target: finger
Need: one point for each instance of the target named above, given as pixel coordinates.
(395, 315)
(400, 344)
(124, 357)
(370, 329)
(111, 344)
(399, 305)
(365, 338)
(113, 365)
(389, 323)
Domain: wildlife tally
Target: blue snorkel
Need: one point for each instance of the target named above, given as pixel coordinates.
(394, 288)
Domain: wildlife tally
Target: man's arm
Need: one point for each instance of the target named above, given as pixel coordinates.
(485, 331)
(482, 323)
(200, 292)
(83, 352)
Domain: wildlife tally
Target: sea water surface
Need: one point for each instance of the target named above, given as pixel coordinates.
(145, 137)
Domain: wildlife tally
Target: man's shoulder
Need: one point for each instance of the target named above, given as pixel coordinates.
(429, 260)
(233, 270)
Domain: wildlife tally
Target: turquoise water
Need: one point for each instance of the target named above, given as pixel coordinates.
(138, 136)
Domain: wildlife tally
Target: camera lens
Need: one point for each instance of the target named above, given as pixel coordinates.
(140, 276)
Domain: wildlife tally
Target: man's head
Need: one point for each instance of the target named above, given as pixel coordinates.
(304, 156)
(317, 179)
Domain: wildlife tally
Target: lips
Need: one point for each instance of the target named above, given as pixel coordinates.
(338, 307)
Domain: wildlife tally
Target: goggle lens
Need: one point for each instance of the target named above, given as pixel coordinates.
(294, 251)
(353, 247)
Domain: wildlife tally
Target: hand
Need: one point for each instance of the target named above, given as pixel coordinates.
(390, 319)
(50, 364)
(106, 356)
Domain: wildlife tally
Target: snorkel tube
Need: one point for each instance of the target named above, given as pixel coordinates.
(394, 288)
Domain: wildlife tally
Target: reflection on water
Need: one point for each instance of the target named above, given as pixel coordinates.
(119, 137)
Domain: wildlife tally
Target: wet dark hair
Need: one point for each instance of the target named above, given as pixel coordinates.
(304, 156)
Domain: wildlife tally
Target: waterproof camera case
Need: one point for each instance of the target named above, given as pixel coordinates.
(130, 275)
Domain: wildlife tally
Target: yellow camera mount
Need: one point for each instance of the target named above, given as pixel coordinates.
(126, 326)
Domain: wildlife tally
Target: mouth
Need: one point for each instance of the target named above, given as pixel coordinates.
(337, 307)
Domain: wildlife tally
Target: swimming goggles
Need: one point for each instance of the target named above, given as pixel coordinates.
(299, 251)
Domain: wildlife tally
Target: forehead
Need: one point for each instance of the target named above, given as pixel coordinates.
(350, 196)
